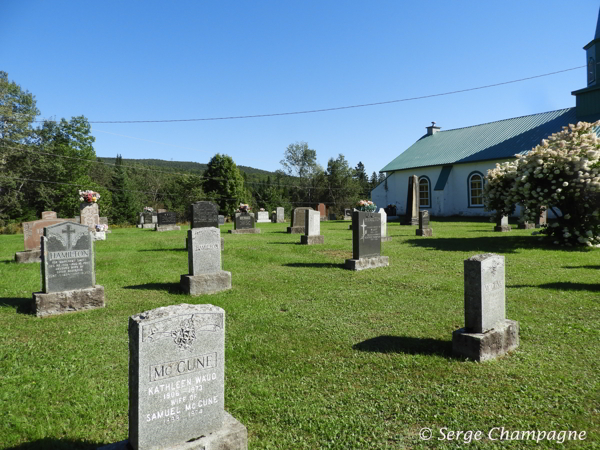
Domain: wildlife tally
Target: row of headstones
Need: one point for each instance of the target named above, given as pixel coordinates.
(33, 231)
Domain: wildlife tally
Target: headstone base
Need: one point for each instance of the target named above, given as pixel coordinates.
(412, 221)
(347, 217)
(424, 232)
(502, 228)
(526, 226)
(222, 244)
(55, 303)
(311, 240)
(386, 238)
(295, 230)
(29, 256)
(140, 225)
(485, 346)
(149, 225)
(245, 231)
(99, 235)
(367, 263)
(231, 436)
(263, 221)
(168, 228)
(208, 283)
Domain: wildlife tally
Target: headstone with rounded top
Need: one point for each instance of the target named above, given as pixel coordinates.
(32, 234)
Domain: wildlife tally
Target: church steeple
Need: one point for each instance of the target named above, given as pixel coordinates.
(588, 99)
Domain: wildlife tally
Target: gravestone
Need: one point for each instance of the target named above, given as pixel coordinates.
(244, 224)
(177, 382)
(297, 222)
(332, 216)
(32, 234)
(366, 242)
(204, 263)
(322, 211)
(262, 217)
(273, 217)
(502, 224)
(384, 235)
(411, 215)
(312, 226)
(424, 228)
(88, 213)
(148, 220)
(542, 218)
(221, 219)
(487, 333)
(280, 214)
(347, 214)
(68, 273)
(203, 215)
(167, 221)
(49, 215)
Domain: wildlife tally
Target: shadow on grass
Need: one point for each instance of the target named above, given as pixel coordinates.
(581, 267)
(405, 344)
(21, 305)
(322, 265)
(55, 444)
(563, 286)
(164, 250)
(282, 243)
(171, 288)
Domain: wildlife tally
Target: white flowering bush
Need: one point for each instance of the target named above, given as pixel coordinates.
(562, 172)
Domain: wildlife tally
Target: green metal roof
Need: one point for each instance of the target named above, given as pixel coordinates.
(489, 141)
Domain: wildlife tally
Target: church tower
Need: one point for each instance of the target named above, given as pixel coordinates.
(588, 98)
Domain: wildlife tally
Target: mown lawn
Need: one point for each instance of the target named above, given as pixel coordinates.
(318, 357)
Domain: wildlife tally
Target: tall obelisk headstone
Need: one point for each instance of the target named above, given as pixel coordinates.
(411, 216)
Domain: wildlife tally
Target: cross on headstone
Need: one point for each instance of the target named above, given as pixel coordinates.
(69, 231)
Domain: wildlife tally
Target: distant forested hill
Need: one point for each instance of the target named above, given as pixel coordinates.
(181, 166)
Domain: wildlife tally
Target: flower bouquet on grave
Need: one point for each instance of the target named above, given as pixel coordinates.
(148, 209)
(366, 206)
(244, 208)
(88, 196)
(101, 227)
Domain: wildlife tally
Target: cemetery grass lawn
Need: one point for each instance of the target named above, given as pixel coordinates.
(317, 356)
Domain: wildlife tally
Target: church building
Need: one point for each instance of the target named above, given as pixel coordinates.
(451, 165)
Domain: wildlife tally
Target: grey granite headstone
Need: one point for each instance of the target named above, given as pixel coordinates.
(366, 242)
(280, 215)
(167, 218)
(297, 220)
(502, 224)
(176, 375)
(221, 219)
(424, 228)
(487, 333)
(411, 215)
(204, 214)
(312, 229)
(243, 221)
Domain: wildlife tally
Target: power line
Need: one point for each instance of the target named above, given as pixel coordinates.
(337, 108)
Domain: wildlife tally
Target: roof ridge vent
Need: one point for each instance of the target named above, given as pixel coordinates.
(432, 129)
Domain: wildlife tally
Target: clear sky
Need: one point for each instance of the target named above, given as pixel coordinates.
(156, 60)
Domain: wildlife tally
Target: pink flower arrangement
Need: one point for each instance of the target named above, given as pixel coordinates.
(88, 196)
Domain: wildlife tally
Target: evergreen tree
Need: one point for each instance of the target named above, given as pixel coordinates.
(224, 184)
(123, 204)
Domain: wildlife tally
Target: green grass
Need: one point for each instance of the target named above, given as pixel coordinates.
(317, 356)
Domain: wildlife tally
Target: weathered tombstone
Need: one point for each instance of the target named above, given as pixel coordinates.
(203, 215)
(424, 228)
(88, 212)
(347, 214)
(322, 211)
(542, 218)
(297, 221)
(502, 224)
(312, 226)
(384, 235)
(32, 234)
(262, 217)
(411, 215)
(204, 263)
(49, 215)
(177, 382)
(280, 214)
(221, 219)
(366, 242)
(487, 333)
(244, 224)
(167, 221)
(68, 274)
(147, 220)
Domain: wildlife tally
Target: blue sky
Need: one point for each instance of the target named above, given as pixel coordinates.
(156, 60)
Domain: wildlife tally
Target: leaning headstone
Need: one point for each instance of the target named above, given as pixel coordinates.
(542, 218)
(384, 235)
(32, 234)
(487, 333)
(204, 263)
(411, 215)
(204, 215)
(68, 273)
(262, 217)
(244, 224)
(297, 221)
(312, 226)
(167, 221)
(177, 382)
(366, 242)
(424, 228)
(502, 224)
(280, 214)
(88, 212)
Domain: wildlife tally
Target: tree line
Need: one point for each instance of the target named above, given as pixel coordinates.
(43, 166)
